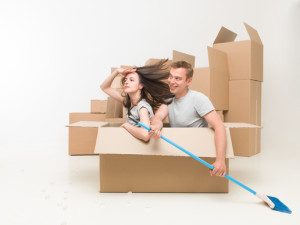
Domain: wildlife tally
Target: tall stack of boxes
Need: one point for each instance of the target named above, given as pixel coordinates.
(245, 67)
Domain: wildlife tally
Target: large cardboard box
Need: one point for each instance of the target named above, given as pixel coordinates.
(82, 140)
(179, 56)
(245, 58)
(133, 165)
(244, 102)
(213, 80)
(98, 106)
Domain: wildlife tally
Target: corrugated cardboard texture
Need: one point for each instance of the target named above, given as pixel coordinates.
(244, 102)
(245, 58)
(140, 173)
(82, 140)
(98, 106)
(179, 56)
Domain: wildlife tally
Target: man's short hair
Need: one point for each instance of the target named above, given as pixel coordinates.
(183, 64)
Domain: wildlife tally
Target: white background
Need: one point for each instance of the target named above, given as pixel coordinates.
(53, 57)
(54, 54)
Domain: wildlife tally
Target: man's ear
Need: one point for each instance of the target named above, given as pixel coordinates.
(189, 81)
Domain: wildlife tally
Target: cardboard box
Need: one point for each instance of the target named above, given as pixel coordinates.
(116, 120)
(213, 80)
(98, 106)
(179, 56)
(221, 115)
(154, 61)
(246, 141)
(124, 112)
(114, 108)
(133, 165)
(245, 106)
(244, 102)
(82, 140)
(245, 58)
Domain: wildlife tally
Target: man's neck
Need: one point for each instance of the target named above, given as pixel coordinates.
(182, 94)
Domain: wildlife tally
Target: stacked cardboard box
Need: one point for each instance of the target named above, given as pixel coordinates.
(245, 67)
(82, 140)
(213, 80)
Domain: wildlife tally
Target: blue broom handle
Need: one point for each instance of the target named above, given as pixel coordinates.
(199, 159)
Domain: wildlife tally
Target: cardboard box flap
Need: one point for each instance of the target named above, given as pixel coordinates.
(217, 60)
(87, 124)
(241, 125)
(199, 141)
(253, 34)
(179, 56)
(225, 35)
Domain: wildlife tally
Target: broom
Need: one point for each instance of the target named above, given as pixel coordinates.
(273, 202)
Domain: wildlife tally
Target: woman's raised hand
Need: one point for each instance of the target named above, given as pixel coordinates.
(124, 72)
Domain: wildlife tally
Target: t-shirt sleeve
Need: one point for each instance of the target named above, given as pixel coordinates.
(203, 105)
(145, 105)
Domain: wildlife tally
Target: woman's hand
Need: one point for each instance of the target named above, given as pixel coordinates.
(124, 72)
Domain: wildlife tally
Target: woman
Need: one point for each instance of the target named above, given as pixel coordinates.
(145, 90)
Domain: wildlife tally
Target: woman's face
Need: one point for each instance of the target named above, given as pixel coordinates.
(132, 83)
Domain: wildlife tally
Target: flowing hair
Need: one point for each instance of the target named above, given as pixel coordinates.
(155, 88)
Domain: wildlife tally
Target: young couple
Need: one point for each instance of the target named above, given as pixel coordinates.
(145, 89)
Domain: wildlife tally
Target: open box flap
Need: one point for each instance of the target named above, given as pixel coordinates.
(253, 34)
(225, 35)
(199, 141)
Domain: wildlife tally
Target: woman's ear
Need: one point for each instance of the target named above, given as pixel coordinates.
(141, 86)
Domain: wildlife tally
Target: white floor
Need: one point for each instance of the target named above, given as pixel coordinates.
(46, 186)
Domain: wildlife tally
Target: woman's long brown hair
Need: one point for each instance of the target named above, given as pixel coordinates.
(155, 88)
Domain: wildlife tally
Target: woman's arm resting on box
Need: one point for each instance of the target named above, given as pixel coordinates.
(139, 132)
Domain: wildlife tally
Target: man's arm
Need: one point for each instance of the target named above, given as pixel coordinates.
(156, 122)
(216, 123)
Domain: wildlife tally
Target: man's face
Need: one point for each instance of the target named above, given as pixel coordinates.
(177, 82)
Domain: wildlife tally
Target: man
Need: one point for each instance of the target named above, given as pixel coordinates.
(190, 109)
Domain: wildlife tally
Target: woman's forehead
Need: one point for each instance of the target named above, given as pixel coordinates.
(133, 74)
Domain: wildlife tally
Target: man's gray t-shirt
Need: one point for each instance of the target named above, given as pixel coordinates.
(134, 112)
(189, 111)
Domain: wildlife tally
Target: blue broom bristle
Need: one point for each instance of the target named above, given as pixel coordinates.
(279, 206)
